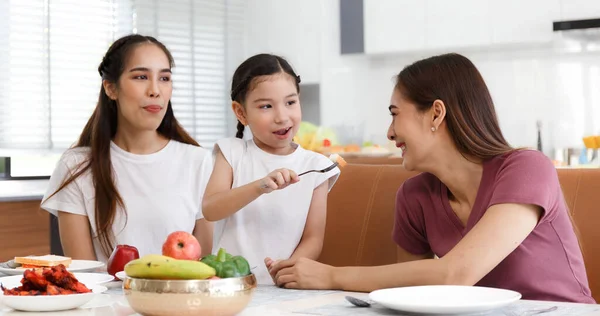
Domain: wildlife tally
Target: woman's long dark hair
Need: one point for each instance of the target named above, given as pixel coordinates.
(101, 129)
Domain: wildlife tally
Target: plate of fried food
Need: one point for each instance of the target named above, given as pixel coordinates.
(46, 290)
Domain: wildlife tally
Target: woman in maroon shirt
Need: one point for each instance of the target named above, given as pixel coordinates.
(494, 215)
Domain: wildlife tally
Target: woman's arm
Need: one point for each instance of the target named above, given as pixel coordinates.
(501, 230)
(76, 236)
(203, 231)
(221, 201)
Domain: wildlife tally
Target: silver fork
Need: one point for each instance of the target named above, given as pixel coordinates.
(335, 164)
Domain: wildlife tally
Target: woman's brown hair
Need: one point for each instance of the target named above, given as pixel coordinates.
(470, 112)
(101, 129)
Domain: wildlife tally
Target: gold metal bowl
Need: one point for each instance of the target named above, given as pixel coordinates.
(189, 297)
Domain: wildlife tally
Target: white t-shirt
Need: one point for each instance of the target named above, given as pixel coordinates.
(162, 193)
(271, 225)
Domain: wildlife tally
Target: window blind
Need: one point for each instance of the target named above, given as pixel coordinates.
(197, 32)
(79, 34)
(54, 48)
(24, 88)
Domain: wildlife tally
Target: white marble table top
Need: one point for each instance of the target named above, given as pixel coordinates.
(270, 300)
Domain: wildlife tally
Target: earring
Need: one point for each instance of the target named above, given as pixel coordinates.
(433, 128)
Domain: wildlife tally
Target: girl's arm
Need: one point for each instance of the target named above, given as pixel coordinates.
(500, 231)
(221, 201)
(314, 230)
(76, 236)
(203, 231)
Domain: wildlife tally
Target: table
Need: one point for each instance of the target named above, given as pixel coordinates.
(270, 300)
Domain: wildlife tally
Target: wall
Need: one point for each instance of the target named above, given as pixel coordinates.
(527, 83)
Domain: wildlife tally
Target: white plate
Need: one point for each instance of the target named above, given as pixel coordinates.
(444, 299)
(93, 278)
(75, 266)
(50, 303)
(121, 275)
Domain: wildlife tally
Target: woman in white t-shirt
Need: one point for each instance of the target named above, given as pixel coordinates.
(135, 175)
(263, 210)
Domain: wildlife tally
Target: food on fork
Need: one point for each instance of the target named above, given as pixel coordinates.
(54, 280)
(337, 158)
(38, 262)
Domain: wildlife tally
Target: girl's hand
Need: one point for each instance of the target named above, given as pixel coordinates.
(277, 180)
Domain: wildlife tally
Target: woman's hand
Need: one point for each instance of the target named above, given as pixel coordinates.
(302, 273)
(269, 263)
(278, 179)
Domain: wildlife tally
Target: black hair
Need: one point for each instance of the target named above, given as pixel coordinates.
(251, 68)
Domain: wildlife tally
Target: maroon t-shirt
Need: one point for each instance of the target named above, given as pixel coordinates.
(548, 265)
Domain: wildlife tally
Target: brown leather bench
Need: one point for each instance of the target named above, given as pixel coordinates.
(361, 214)
(373, 160)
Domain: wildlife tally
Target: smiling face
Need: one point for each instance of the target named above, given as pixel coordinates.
(143, 90)
(272, 110)
(411, 131)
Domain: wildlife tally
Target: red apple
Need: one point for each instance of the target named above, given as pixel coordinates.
(120, 256)
(181, 245)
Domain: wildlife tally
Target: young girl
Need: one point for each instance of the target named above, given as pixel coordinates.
(135, 175)
(262, 207)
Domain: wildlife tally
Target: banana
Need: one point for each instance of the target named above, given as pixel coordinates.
(167, 268)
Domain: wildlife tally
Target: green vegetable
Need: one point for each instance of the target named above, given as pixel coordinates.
(226, 265)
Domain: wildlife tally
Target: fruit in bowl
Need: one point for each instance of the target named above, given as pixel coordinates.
(227, 265)
(162, 285)
(158, 297)
(182, 245)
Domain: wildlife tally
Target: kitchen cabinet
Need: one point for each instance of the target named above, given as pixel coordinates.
(397, 26)
(457, 24)
(401, 26)
(523, 21)
(24, 229)
(579, 9)
(394, 25)
(288, 28)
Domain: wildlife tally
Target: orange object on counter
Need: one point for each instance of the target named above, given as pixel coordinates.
(591, 142)
(352, 148)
